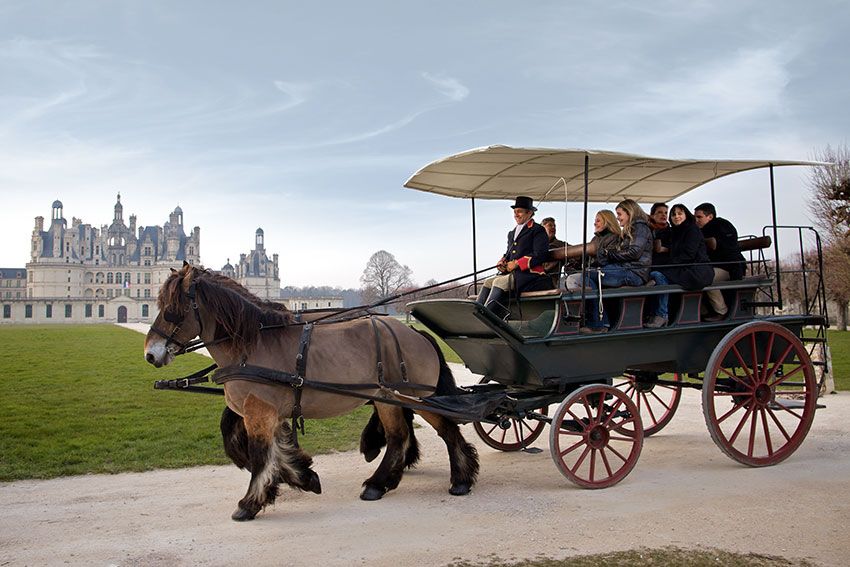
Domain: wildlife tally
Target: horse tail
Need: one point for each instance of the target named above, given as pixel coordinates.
(446, 384)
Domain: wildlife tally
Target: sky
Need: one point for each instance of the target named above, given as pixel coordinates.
(306, 118)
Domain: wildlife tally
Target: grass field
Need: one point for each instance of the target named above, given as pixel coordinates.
(80, 399)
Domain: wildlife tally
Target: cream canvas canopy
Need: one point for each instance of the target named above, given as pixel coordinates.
(503, 172)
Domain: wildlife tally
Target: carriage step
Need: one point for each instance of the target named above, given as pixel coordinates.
(791, 404)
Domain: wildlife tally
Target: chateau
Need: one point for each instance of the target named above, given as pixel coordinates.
(84, 274)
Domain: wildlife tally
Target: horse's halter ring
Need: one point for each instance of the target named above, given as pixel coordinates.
(177, 320)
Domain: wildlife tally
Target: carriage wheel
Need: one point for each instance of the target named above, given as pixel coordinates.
(520, 434)
(759, 394)
(656, 403)
(586, 440)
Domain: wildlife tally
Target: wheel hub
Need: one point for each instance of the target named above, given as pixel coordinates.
(763, 394)
(598, 437)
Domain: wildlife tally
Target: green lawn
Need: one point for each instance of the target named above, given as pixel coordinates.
(80, 399)
(839, 346)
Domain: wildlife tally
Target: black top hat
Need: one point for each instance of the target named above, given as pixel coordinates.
(524, 203)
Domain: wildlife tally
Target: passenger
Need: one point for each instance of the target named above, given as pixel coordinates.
(689, 265)
(626, 265)
(660, 233)
(606, 235)
(557, 246)
(521, 266)
(553, 267)
(721, 240)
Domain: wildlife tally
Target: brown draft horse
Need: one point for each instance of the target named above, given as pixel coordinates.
(198, 303)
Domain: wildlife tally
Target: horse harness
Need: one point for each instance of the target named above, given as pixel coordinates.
(297, 381)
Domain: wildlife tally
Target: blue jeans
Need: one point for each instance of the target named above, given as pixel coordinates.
(660, 300)
(612, 276)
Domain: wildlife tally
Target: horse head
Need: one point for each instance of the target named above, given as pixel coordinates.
(178, 321)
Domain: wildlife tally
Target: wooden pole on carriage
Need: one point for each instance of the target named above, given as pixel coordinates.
(582, 321)
(776, 269)
(474, 258)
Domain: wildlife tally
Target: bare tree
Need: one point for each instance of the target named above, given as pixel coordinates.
(830, 208)
(383, 277)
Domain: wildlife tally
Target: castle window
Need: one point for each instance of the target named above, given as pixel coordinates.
(7, 311)
(88, 309)
(147, 262)
(109, 293)
(67, 310)
(127, 277)
(109, 278)
(100, 310)
(145, 310)
(48, 311)
(147, 277)
(28, 311)
(147, 293)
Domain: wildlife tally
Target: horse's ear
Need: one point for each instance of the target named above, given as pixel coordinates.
(173, 271)
(187, 277)
(185, 264)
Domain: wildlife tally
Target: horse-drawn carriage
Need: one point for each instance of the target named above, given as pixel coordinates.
(754, 368)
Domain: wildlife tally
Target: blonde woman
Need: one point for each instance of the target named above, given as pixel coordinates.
(626, 265)
(606, 235)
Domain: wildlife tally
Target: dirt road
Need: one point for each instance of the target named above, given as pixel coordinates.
(683, 492)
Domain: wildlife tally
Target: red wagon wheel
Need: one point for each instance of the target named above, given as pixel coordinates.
(656, 403)
(585, 439)
(759, 394)
(520, 434)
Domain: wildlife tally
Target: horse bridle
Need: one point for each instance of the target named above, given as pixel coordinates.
(170, 338)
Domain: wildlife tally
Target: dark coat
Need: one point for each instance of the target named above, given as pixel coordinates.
(531, 249)
(727, 255)
(634, 253)
(605, 240)
(689, 261)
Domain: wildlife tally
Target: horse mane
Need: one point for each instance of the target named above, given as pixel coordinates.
(239, 314)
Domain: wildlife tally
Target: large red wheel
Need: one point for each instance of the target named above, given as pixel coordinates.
(759, 394)
(520, 434)
(586, 439)
(656, 403)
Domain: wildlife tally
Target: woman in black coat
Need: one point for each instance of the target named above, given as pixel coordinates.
(688, 266)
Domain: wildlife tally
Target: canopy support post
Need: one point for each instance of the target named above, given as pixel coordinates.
(582, 321)
(777, 270)
(474, 260)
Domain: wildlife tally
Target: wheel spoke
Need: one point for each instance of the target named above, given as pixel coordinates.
(660, 401)
(592, 463)
(613, 412)
(517, 430)
(736, 378)
(754, 352)
(740, 425)
(743, 364)
(779, 362)
(766, 432)
(768, 351)
(605, 462)
(580, 460)
(577, 419)
(778, 424)
(651, 413)
(785, 376)
(753, 422)
(735, 408)
(570, 449)
(616, 452)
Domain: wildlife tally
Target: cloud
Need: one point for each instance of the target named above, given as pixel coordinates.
(448, 86)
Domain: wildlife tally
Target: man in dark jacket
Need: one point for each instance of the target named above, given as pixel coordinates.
(521, 266)
(721, 240)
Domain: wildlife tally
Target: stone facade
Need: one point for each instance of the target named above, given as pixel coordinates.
(305, 303)
(255, 271)
(82, 274)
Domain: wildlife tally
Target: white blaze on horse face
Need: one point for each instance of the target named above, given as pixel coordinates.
(156, 352)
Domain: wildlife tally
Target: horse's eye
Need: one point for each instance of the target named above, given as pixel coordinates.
(172, 317)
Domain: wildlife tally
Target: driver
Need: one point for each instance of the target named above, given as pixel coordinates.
(521, 266)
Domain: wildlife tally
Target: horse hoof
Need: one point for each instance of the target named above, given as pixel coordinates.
(460, 489)
(371, 454)
(242, 515)
(371, 493)
(314, 485)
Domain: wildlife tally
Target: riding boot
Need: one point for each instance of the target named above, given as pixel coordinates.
(482, 295)
(497, 303)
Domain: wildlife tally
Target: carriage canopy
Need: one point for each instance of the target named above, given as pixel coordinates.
(502, 172)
